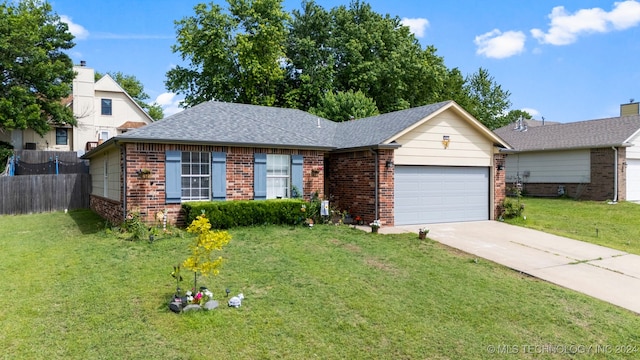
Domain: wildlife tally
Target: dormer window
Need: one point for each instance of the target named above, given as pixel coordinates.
(106, 106)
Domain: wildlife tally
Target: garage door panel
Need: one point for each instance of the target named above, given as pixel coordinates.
(429, 194)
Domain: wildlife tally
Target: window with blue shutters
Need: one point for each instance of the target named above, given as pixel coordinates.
(276, 176)
(195, 176)
(192, 175)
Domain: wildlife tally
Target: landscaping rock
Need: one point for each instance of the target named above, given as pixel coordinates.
(192, 307)
(210, 305)
(176, 307)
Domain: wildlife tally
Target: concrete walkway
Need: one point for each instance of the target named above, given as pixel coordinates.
(604, 273)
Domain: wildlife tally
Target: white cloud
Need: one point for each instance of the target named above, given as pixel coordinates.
(77, 30)
(565, 28)
(532, 112)
(499, 45)
(169, 103)
(417, 25)
(625, 15)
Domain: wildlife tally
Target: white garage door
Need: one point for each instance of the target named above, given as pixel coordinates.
(633, 180)
(432, 194)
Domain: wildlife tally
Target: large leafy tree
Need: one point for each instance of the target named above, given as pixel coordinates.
(310, 57)
(344, 106)
(320, 60)
(135, 89)
(232, 56)
(35, 73)
(380, 57)
(488, 102)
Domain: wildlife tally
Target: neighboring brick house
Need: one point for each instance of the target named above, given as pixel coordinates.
(590, 160)
(434, 163)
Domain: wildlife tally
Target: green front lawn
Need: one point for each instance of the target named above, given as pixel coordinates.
(329, 292)
(613, 225)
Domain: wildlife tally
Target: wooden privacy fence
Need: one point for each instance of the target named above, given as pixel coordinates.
(44, 193)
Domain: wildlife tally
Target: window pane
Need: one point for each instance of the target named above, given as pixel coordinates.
(106, 106)
(61, 136)
(278, 167)
(196, 176)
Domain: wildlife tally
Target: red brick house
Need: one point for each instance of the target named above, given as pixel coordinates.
(590, 160)
(434, 163)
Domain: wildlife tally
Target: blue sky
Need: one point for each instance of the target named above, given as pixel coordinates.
(564, 60)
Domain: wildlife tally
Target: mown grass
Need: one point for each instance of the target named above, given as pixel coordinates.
(327, 292)
(613, 225)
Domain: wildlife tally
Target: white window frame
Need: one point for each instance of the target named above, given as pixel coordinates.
(104, 135)
(195, 177)
(278, 176)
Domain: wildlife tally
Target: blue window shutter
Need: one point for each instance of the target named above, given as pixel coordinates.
(173, 172)
(296, 174)
(260, 177)
(219, 176)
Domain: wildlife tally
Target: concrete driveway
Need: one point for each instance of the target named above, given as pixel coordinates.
(604, 273)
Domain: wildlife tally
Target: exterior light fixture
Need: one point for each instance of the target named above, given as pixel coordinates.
(445, 141)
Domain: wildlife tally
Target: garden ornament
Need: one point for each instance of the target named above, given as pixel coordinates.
(236, 301)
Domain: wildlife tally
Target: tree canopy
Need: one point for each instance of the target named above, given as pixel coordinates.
(320, 60)
(233, 56)
(35, 73)
(345, 106)
(135, 89)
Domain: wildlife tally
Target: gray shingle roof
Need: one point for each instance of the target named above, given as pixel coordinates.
(223, 123)
(376, 129)
(584, 134)
(226, 123)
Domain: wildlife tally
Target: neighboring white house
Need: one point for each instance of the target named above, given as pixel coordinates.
(102, 109)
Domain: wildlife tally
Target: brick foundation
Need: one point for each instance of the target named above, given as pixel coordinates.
(601, 186)
(110, 210)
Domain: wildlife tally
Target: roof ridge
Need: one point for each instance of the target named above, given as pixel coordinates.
(232, 111)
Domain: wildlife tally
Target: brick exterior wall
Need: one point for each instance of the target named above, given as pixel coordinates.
(110, 210)
(499, 184)
(352, 184)
(147, 195)
(601, 186)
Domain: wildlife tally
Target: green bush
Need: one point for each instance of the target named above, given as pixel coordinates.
(6, 150)
(512, 207)
(230, 214)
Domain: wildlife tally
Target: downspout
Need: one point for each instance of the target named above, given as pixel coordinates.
(124, 180)
(376, 183)
(615, 175)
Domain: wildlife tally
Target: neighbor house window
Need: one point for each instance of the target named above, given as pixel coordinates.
(62, 137)
(278, 176)
(196, 176)
(106, 106)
